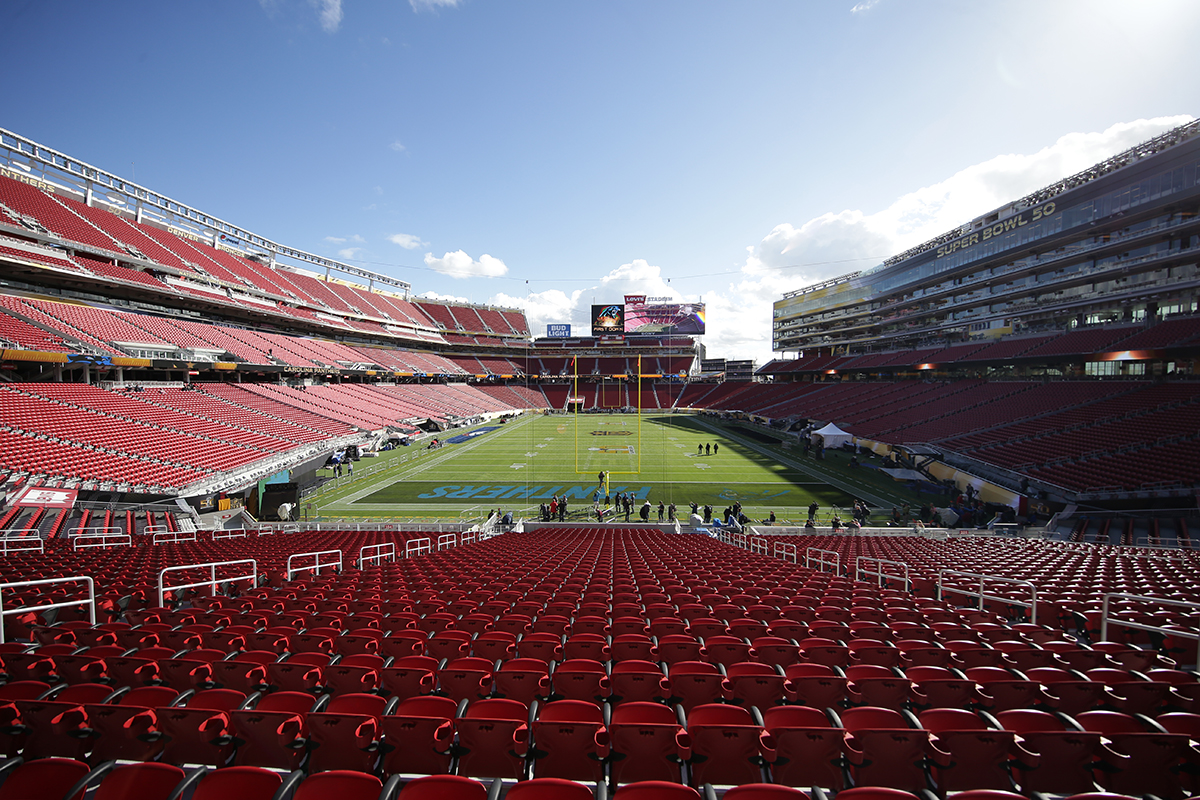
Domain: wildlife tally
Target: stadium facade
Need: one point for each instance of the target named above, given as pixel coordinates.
(1114, 244)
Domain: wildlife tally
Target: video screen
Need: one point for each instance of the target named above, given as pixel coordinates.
(682, 318)
(608, 320)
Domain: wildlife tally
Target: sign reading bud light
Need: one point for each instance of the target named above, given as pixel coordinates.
(558, 331)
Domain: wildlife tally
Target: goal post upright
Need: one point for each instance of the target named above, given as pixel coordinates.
(575, 394)
(639, 414)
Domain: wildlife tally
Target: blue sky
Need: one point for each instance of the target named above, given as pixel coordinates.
(551, 154)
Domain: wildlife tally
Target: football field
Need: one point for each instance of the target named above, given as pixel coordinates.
(520, 464)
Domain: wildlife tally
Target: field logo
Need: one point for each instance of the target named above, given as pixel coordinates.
(515, 492)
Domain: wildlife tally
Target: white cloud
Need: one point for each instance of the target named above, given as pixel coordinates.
(397, 147)
(864, 6)
(431, 5)
(329, 12)
(836, 243)
(460, 265)
(550, 306)
(348, 252)
(336, 239)
(443, 298)
(343, 239)
(407, 241)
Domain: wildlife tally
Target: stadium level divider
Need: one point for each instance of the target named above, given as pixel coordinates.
(23, 540)
(878, 573)
(317, 565)
(1107, 618)
(91, 601)
(213, 581)
(268, 528)
(982, 594)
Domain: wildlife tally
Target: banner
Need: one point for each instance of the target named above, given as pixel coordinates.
(47, 498)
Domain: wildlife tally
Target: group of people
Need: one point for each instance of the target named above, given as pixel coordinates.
(706, 449)
(555, 509)
(858, 518)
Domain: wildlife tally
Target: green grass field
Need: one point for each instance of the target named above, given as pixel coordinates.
(518, 465)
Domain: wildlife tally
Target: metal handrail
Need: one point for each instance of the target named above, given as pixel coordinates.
(815, 555)
(36, 544)
(384, 550)
(859, 571)
(213, 580)
(232, 533)
(447, 540)
(982, 595)
(787, 551)
(416, 547)
(172, 537)
(83, 540)
(1106, 618)
(317, 563)
(91, 601)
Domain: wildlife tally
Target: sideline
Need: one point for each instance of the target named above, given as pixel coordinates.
(878, 503)
(352, 498)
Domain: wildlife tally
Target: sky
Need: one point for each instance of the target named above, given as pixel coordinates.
(548, 155)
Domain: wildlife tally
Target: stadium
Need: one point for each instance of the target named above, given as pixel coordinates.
(275, 526)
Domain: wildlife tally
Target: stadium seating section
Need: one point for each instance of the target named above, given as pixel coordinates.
(657, 664)
(112, 248)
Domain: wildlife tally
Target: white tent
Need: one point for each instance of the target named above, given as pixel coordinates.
(831, 436)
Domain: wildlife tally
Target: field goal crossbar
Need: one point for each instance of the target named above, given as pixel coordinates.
(982, 594)
(91, 599)
(213, 581)
(879, 573)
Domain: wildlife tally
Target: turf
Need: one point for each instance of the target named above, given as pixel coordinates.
(521, 464)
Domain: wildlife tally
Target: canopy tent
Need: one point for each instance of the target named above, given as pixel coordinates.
(831, 436)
